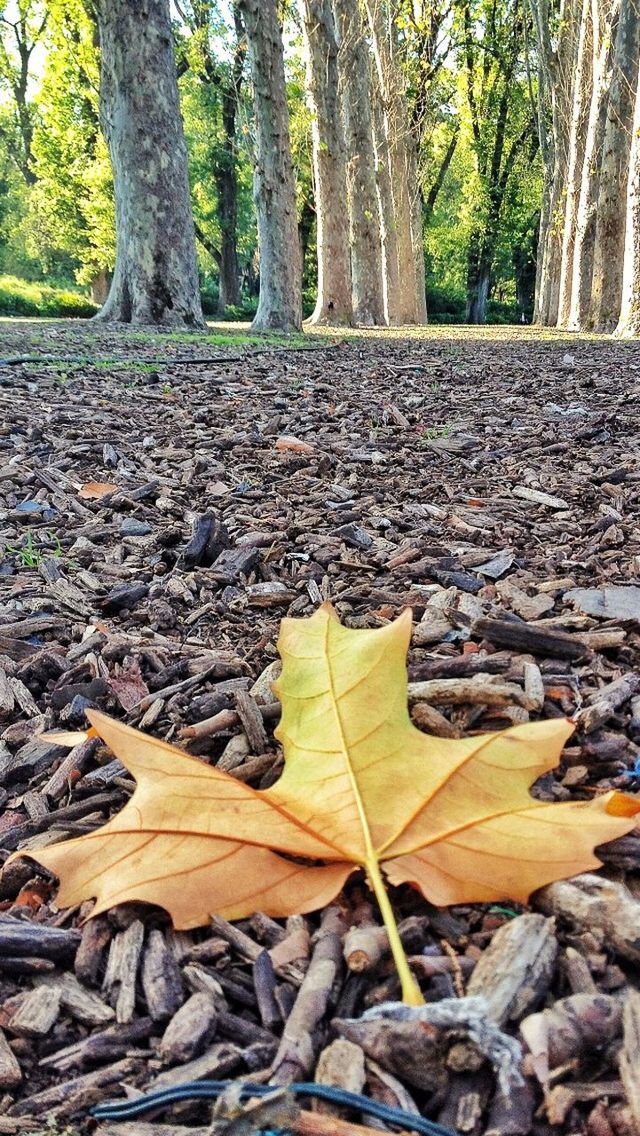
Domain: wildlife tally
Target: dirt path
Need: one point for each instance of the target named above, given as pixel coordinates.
(481, 479)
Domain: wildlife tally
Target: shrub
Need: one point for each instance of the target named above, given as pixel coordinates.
(445, 305)
(26, 298)
(500, 311)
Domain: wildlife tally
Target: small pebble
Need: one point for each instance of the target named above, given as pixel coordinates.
(131, 527)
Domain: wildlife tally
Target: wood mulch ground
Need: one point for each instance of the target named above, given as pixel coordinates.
(490, 481)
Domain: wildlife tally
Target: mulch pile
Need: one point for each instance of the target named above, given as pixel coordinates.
(491, 483)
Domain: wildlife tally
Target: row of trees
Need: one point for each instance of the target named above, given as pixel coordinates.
(392, 127)
(589, 121)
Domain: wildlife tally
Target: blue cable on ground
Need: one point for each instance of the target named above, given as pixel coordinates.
(210, 1090)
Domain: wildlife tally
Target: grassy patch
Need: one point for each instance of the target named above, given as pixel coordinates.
(222, 338)
(28, 555)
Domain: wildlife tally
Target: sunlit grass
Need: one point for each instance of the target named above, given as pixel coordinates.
(35, 334)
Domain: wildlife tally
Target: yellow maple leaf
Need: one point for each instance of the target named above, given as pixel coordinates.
(361, 788)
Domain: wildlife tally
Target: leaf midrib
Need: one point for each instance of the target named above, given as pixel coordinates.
(370, 854)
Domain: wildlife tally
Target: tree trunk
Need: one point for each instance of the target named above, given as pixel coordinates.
(226, 178)
(227, 187)
(229, 272)
(100, 286)
(409, 306)
(548, 150)
(388, 229)
(585, 221)
(334, 305)
(580, 103)
(438, 181)
(544, 247)
(629, 322)
(417, 234)
(608, 256)
(524, 266)
(305, 226)
(280, 304)
(555, 76)
(364, 214)
(550, 245)
(155, 280)
(479, 261)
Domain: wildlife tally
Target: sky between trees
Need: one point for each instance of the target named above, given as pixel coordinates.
(359, 161)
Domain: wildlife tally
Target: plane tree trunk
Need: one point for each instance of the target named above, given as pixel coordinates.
(585, 220)
(334, 304)
(555, 75)
(363, 207)
(280, 303)
(155, 279)
(629, 322)
(581, 101)
(408, 304)
(608, 256)
(226, 175)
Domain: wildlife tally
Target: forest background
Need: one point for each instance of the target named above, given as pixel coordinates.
(510, 109)
(57, 217)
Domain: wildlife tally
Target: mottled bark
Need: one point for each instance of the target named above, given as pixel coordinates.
(608, 255)
(585, 221)
(226, 177)
(544, 245)
(408, 306)
(388, 230)
(479, 260)
(100, 286)
(417, 234)
(555, 79)
(363, 207)
(334, 304)
(629, 322)
(155, 280)
(550, 244)
(580, 107)
(280, 304)
(545, 60)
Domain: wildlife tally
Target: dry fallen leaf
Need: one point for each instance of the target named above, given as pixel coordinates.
(362, 787)
(68, 738)
(94, 490)
(295, 445)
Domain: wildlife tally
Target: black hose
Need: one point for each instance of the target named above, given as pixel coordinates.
(210, 1090)
(182, 361)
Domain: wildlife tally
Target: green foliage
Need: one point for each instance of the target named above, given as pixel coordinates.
(433, 433)
(71, 204)
(202, 110)
(23, 24)
(486, 210)
(21, 298)
(28, 554)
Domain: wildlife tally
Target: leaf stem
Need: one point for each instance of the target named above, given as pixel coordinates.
(411, 994)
